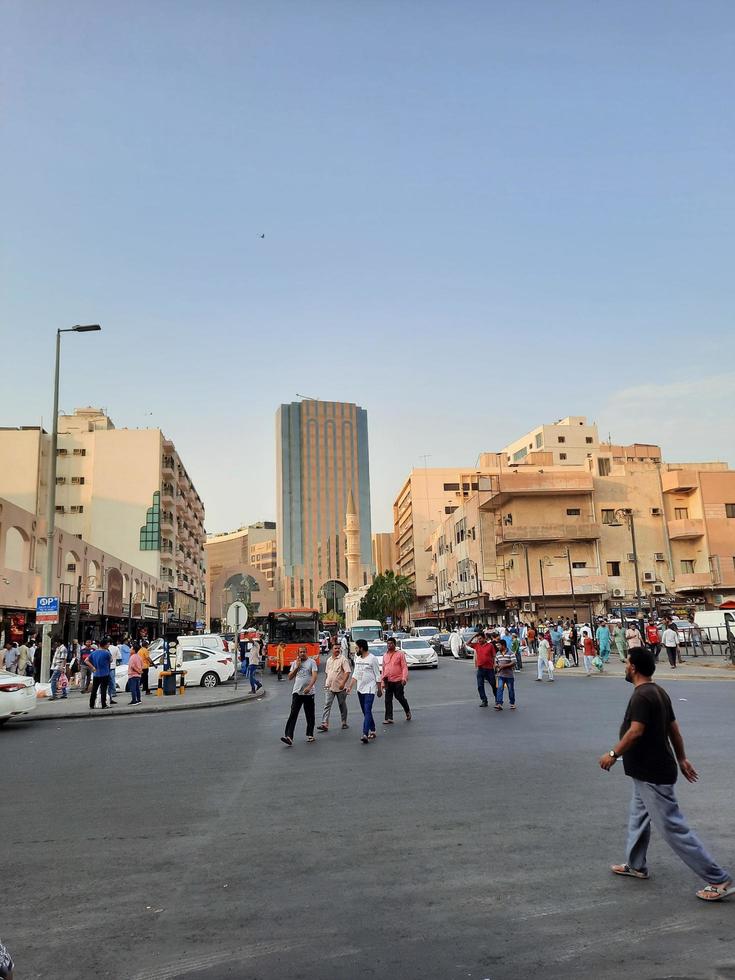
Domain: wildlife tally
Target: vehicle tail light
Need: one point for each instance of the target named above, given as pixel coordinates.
(13, 687)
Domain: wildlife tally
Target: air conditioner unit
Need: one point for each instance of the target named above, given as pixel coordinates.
(659, 588)
(655, 511)
(618, 592)
(649, 577)
(659, 556)
(631, 556)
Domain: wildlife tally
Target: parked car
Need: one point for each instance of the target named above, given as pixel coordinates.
(466, 635)
(204, 667)
(17, 695)
(378, 648)
(214, 641)
(419, 652)
(425, 632)
(440, 642)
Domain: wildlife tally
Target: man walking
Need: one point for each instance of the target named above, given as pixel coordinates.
(337, 671)
(602, 635)
(23, 657)
(648, 734)
(670, 640)
(504, 675)
(484, 666)
(545, 659)
(653, 639)
(85, 670)
(58, 667)
(304, 674)
(135, 668)
(99, 663)
(11, 657)
(367, 679)
(145, 656)
(395, 678)
(455, 643)
(114, 658)
(253, 665)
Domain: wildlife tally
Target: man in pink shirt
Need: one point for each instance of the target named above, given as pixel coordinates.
(135, 669)
(395, 676)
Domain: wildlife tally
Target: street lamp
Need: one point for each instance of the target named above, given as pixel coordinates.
(48, 583)
(626, 514)
(544, 562)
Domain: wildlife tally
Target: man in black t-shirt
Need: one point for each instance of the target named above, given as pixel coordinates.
(648, 734)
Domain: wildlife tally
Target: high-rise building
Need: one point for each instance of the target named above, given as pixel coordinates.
(241, 565)
(125, 491)
(383, 552)
(321, 455)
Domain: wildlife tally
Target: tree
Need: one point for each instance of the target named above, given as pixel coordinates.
(387, 596)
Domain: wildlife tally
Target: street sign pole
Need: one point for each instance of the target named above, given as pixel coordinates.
(237, 640)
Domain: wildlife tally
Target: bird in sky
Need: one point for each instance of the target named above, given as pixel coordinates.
(262, 236)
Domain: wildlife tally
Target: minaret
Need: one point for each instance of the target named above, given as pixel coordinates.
(352, 548)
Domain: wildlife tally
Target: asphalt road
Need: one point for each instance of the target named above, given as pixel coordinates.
(466, 844)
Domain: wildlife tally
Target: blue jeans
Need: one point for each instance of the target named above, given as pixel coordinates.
(54, 681)
(254, 682)
(485, 674)
(510, 683)
(366, 703)
(134, 688)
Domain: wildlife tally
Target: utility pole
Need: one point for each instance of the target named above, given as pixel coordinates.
(571, 582)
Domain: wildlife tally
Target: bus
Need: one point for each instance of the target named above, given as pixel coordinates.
(294, 628)
(366, 629)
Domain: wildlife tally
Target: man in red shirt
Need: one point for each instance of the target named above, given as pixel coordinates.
(653, 639)
(484, 665)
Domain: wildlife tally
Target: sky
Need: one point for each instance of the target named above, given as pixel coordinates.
(478, 217)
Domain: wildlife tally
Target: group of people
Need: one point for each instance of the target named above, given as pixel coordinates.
(342, 675)
(23, 658)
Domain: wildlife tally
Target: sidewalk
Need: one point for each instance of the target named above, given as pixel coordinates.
(695, 668)
(77, 704)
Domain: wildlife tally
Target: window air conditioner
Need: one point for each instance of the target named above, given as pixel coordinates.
(631, 556)
(649, 577)
(659, 556)
(659, 588)
(618, 592)
(655, 511)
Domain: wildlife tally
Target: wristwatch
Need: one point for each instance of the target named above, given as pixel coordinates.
(612, 755)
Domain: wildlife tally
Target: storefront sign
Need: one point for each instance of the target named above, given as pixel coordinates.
(114, 593)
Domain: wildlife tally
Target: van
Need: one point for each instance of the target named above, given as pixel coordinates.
(424, 632)
(712, 624)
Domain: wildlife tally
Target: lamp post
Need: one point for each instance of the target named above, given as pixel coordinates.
(626, 514)
(48, 581)
(544, 562)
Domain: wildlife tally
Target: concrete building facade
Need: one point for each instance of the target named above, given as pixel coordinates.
(241, 565)
(124, 490)
(383, 552)
(321, 456)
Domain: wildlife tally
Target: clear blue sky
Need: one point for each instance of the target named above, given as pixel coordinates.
(478, 217)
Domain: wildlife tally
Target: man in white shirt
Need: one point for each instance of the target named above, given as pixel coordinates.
(114, 660)
(369, 683)
(58, 667)
(670, 641)
(304, 674)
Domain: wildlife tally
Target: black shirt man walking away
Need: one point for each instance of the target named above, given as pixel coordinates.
(647, 735)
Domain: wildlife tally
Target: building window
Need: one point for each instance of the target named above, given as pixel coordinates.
(77, 508)
(573, 512)
(589, 440)
(62, 452)
(451, 486)
(539, 439)
(520, 454)
(59, 509)
(613, 568)
(579, 564)
(562, 455)
(603, 466)
(561, 438)
(78, 479)
(449, 510)
(150, 533)
(729, 510)
(687, 566)
(60, 481)
(460, 530)
(79, 452)
(681, 513)
(608, 516)
(475, 486)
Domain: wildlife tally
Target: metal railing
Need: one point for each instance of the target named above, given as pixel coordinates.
(707, 641)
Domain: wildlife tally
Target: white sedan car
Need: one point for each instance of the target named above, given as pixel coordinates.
(204, 667)
(419, 652)
(17, 695)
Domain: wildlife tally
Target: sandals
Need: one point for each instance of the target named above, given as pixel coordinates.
(286, 739)
(322, 728)
(625, 869)
(344, 725)
(715, 893)
(388, 721)
(310, 738)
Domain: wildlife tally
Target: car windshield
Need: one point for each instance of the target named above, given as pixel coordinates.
(377, 648)
(414, 644)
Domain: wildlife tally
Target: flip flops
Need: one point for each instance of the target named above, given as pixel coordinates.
(715, 893)
(624, 869)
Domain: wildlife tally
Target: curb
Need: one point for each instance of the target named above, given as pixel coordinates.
(239, 699)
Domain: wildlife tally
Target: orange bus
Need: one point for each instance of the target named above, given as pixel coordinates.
(294, 628)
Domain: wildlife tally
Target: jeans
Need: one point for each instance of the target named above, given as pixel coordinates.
(254, 682)
(671, 654)
(100, 684)
(519, 659)
(112, 689)
(510, 683)
(85, 675)
(297, 702)
(341, 697)
(485, 674)
(144, 680)
(54, 682)
(543, 665)
(398, 690)
(655, 649)
(134, 688)
(656, 803)
(366, 703)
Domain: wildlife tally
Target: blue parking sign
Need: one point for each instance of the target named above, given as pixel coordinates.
(47, 609)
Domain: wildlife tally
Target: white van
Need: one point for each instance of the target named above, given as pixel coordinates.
(424, 632)
(712, 624)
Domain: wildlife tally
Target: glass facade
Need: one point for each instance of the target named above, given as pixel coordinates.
(150, 533)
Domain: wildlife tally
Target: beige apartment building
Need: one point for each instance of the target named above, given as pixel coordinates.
(383, 552)
(241, 565)
(550, 536)
(126, 491)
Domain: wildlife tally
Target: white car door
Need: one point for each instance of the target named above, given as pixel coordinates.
(196, 663)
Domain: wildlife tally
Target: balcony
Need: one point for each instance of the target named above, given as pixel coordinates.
(167, 519)
(693, 581)
(584, 585)
(688, 528)
(506, 486)
(167, 466)
(679, 481)
(570, 531)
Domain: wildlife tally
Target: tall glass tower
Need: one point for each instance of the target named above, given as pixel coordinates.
(321, 455)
